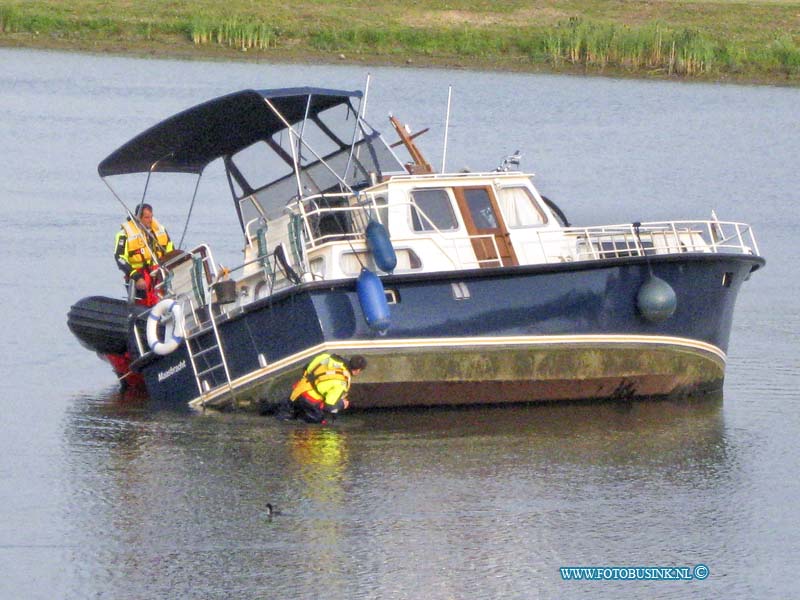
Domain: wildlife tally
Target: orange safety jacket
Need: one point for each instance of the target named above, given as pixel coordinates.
(325, 383)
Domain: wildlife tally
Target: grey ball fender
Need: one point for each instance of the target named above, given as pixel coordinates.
(656, 300)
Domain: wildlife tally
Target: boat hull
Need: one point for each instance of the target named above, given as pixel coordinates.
(543, 370)
(546, 333)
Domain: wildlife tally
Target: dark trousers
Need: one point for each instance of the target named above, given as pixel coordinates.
(304, 410)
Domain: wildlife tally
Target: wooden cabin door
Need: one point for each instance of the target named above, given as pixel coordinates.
(482, 216)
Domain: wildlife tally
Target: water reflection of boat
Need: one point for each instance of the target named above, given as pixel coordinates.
(460, 288)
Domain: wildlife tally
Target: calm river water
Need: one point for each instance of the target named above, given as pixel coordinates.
(104, 498)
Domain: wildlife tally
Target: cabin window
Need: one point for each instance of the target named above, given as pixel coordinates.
(313, 136)
(519, 208)
(407, 259)
(432, 209)
(351, 262)
(259, 165)
(339, 121)
(317, 267)
(480, 208)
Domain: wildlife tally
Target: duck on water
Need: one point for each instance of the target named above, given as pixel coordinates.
(459, 288)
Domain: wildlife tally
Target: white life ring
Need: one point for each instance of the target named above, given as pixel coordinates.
(173, 328)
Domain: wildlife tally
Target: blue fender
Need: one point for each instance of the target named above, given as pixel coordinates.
(381, 247)
(372, 298)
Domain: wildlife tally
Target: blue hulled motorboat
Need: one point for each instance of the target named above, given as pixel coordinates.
(459, 288)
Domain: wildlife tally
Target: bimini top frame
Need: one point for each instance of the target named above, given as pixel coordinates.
(221, 128)
(189, 140)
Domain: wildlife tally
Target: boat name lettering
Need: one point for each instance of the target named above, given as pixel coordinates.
(171, 371)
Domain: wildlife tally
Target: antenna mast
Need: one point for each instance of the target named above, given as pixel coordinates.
(446, 126)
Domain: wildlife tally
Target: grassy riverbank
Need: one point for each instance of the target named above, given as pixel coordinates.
(755, 41)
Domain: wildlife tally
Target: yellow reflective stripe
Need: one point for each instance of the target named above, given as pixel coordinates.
(328, 373)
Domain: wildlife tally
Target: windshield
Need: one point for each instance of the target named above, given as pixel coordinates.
(263, 175)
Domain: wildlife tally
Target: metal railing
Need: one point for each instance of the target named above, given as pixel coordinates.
(661, 237)
(335, 217)
(329, 218)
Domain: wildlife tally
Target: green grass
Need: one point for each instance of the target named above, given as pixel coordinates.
(704, 39)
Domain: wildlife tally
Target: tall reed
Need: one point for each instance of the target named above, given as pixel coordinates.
(13, 21)
(240, 33)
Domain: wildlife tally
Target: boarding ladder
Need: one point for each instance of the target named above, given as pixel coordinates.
(208, 359)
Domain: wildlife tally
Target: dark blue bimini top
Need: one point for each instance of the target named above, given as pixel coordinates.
(188, 141)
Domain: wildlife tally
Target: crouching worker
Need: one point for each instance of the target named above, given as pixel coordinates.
(322, 390)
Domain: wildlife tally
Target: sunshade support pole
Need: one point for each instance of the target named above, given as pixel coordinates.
(120, 200)
(291, 133)
(362, 110)
(303, 129)
(147, 182)
(191, 207)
